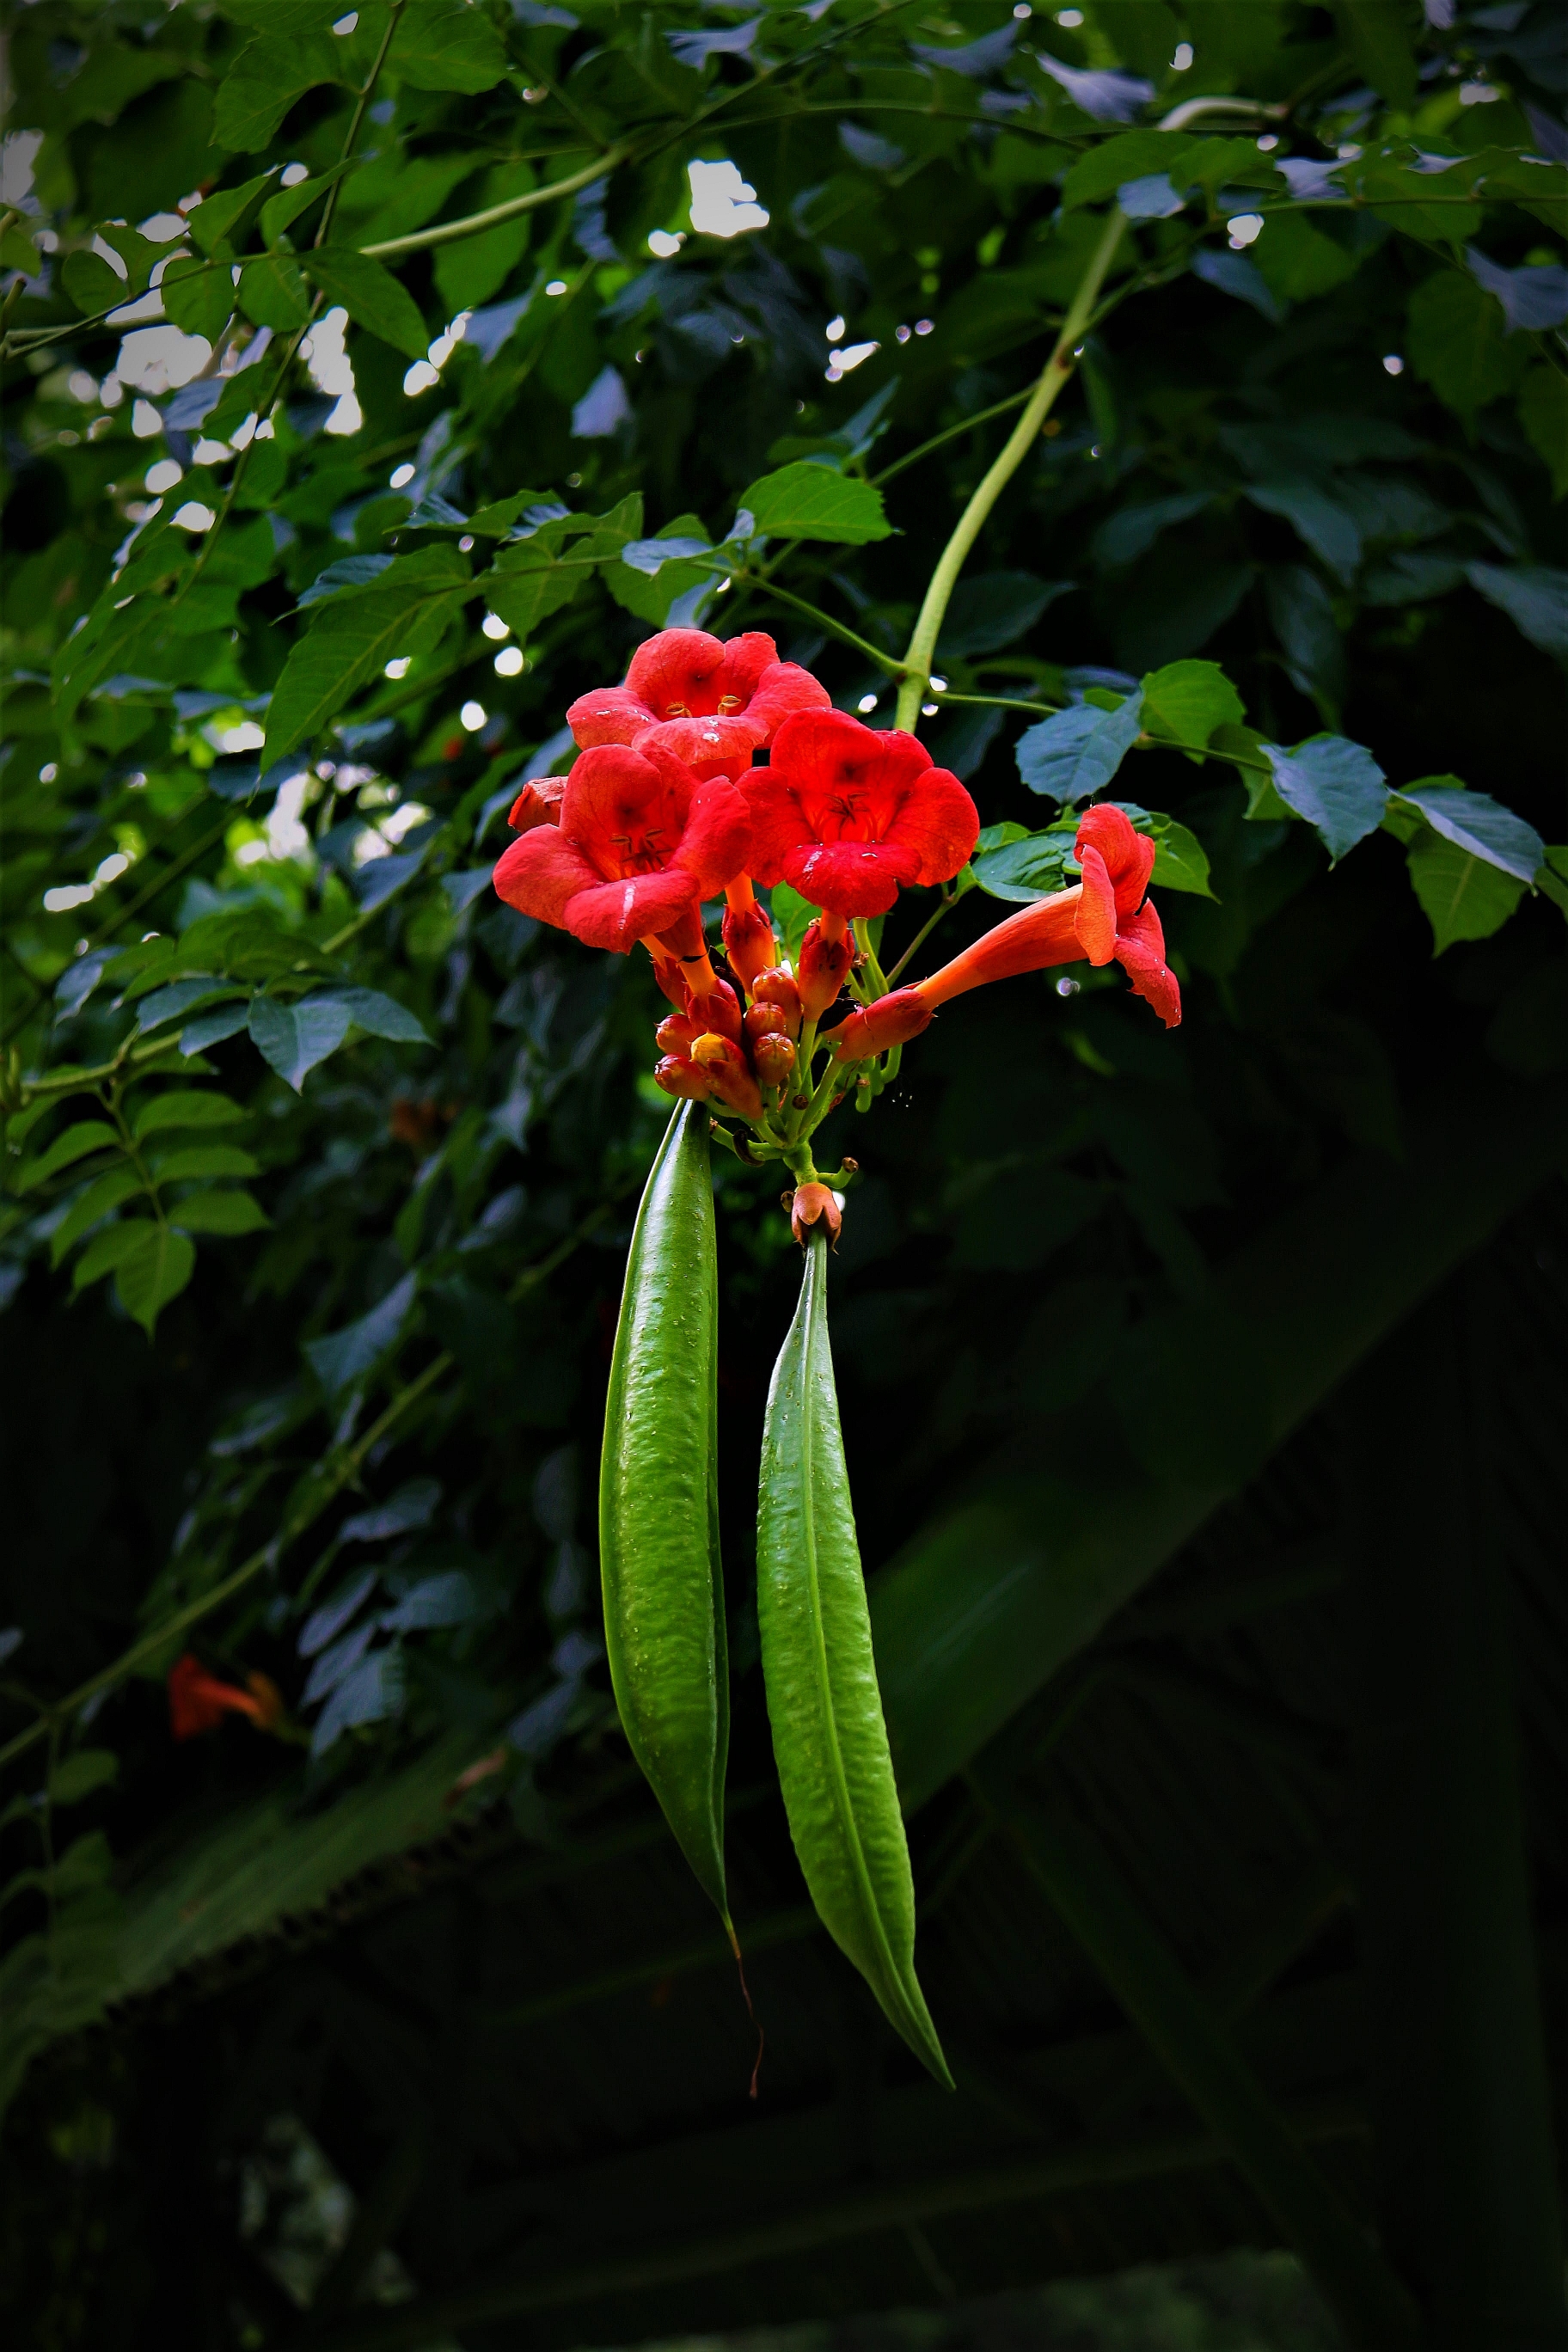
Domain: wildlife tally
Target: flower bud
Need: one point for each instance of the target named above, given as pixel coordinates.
(765, 1020)
(823, 963)
(774, 1056)
(675, 1034)
(718, 1010)
(727, 1074)
(748, 941)
(682, 1079)
(812, 1201)
(539, 803)
(777, 986)
(873, 1028)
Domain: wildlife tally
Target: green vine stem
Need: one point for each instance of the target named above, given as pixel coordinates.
(1055, 373)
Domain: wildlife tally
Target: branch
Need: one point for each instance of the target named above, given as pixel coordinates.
(473, 224)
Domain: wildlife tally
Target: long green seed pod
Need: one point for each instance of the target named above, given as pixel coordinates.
(830, 1741)
(658, 1514)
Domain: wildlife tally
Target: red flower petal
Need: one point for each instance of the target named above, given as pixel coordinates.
(717, 838)
(709, 747)
(626, 811)
(782, 688)
(1095, 923)
(834, 782)
(1140, 953)
(678, 673)
(609, 714)
(539, 803)
(1030, 940)
(851, 878)
(540, 873)
(1128, 855)
(747, 660)
(618, 913)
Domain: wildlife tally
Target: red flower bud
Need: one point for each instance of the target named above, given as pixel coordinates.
(720, 1009)
(675, 1034)
(749, 940)
(682, 1079)
(774, 1056)
(824, 965)
(727, 1074)
(891, 1020)
(539, 803)
(765, 1020)
(812, 1201)
(777, 986)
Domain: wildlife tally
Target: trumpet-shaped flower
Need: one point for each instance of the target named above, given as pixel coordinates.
(846, 814)
(1103, 916)
(639, 843)
(687, 674)
(199, 1701)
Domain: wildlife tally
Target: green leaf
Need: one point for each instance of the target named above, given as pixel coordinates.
(117, 1184)
(223, 218)
(273, 292)
(344, 1357)
(1463, 897)
(1553, 878)
(808, 501)
(472, 268)
(280, 211)
(190, 1161)
(1476, 824)
(379, 1015)
(1023, 869)
(794, 915)
(354, 638)
(1543, 413)
(198, 296)
(146, 1281)
(1329, 528)
(830, 1742)
(371, 295)
(219, 1213)
(1335, 784)
(92, 284)
(266, 80)
(1186, 700)
(87, 1135)
(76, 1777)
(1181, 861)
(650, 594)
(448, 45)
(1378, 34)
(106, 1250)
(295, 1038)
(1457, 341)
(1073, 756)
(1298, 262)
(192, 1106)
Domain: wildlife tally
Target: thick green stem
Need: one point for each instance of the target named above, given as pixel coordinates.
(1057, 370)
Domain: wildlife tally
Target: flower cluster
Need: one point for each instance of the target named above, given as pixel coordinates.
(668, 806)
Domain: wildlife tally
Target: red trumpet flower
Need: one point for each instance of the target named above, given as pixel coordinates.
(686, 674)
(640, 842)
(846, 814)
(198, 1701)
(1103, 916)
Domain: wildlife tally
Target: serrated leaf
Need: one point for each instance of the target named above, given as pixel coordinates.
(649, 591)
(92, 284)
(1534, 595)
(191, 1106)
(371, 1692)
(448, 45)
(371, 295)
(87, 1135)
(343, 1357)
(808, 501)
(1074, 755)
(1023, 870)
(1455, 339)
(355, 637)
(219, 1213)
(1463, 897)
(381, 1016)
(266, 80)
(1329, 528)
(170, 1002)
(198, 296)
(146, 1280)
(224, 217)
(280, 211)
(117, 1184)
(295, 1038)
(1186, 700)
(212, 1028)
(349, 571)
(106, 1250)
(1477, 824)
(188, 1161)
(273, 294)
(1335, 784)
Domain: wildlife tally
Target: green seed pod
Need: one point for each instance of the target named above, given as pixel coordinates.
(830, 1741)
(658, 1514)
